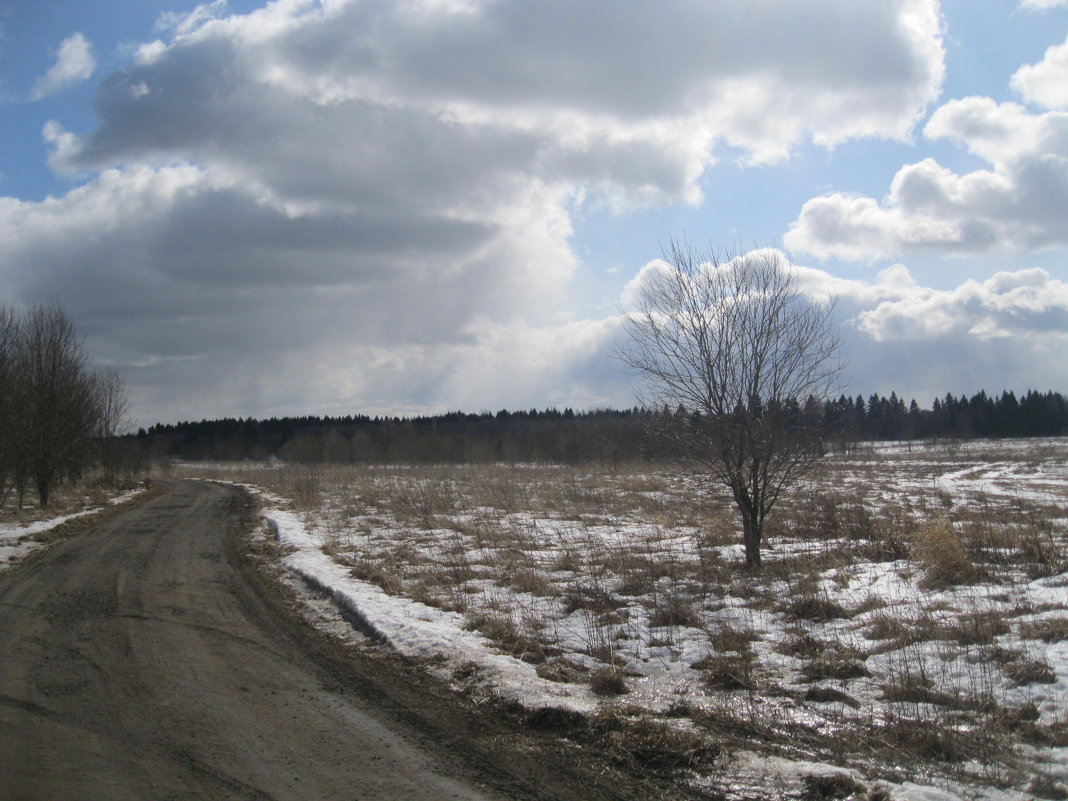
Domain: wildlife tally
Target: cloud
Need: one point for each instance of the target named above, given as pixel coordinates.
(898, 335)
(183, 24)
(578, 91)
(1045, 83)
(995, 334)
(344, 204)
(74, 64)
(1016, 205)
(1042, 5)
(1023, 304)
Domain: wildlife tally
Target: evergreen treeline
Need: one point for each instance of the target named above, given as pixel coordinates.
(1034, 414)
(567, 436)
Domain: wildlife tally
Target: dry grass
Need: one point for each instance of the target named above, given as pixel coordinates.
(68, 497)
(608, 681)
(939, 550)
(630, 565)
(728, 671)
(1049, 630)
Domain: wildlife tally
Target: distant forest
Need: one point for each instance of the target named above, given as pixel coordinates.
(567, 436)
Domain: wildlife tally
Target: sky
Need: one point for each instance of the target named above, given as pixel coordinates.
(403, 207)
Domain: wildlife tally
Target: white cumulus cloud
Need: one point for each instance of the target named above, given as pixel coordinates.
(1045, 83)
(994, 334)
(1019, 203)
(74, 63)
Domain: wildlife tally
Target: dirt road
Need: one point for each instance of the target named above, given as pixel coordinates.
(139, 661)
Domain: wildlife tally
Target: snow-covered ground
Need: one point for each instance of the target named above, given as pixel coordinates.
(19, 538)
(910, 626)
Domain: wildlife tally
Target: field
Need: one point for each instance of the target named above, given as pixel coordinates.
(907, 637)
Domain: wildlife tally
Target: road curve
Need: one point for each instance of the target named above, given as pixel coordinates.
(133, 665)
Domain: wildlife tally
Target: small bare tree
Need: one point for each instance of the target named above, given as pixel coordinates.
(740, 359)
(8, 421)
(57, 400)
(112, 402)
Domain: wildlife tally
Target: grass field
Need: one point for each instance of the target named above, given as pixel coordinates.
(907, 636)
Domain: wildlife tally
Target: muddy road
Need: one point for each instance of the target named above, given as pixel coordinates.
(147, 659)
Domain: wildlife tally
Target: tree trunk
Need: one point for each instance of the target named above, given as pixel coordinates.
(43, 487)
(752, 533)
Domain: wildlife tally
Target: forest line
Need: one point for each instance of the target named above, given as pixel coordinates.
(569, 436)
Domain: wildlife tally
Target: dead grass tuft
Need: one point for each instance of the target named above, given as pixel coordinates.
(1049, 630)
(834, 664)
(533, 582)
(938, 549)
(728, 671)
(829, 695)
(561, 670)
(799, 643)
(832, 786)
(507, 635)
(375, 573)
(590, 597)
(651, 746)
(887, 626)
(1024, 671)
(731, 638)
(608, 681)
(673, 612)
(920, 738)
(817, 607)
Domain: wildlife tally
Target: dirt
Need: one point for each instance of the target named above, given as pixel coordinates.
(160, 655)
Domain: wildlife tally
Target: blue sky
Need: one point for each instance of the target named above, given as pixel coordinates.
(368, 206)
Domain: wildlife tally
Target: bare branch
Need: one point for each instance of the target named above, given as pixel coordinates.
(737, 353)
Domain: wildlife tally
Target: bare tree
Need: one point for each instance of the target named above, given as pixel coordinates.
(112, 403)
(740, 358)
(57, 399)
(8, 420)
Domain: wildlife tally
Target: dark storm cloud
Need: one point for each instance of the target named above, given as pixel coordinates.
(316, 205)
